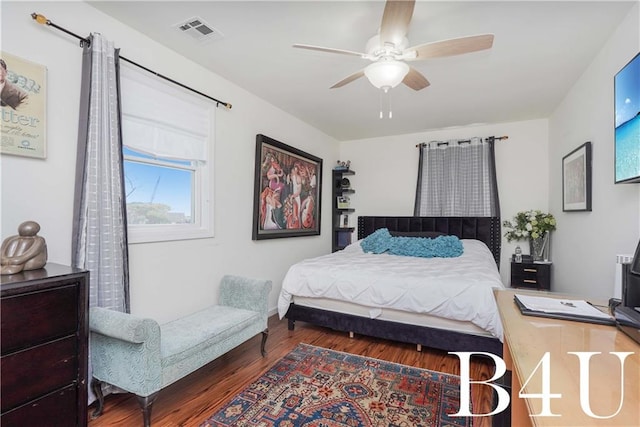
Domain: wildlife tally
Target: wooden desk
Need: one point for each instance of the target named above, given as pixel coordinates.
(528, 338)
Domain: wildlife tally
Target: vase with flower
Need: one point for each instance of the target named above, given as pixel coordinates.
(534, 226)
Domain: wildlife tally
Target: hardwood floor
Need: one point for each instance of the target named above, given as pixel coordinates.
(191, 400)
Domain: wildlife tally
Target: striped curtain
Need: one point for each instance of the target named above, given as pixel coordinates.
(99, 241)
(457, 178)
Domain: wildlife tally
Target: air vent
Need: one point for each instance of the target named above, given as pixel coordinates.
(199, 29)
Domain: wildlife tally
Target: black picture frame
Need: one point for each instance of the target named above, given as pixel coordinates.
(287, 191)
(576, 179)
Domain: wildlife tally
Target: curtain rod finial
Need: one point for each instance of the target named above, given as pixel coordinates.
(40, 19)
(228, 106)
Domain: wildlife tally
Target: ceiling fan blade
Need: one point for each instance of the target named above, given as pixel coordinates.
(348, 79)
(395, 21)
(329, 50)
(415, 80)
(452, 47)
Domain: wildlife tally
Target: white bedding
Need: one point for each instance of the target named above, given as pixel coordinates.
(454, 288)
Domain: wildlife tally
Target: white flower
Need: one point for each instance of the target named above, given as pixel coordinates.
(529, 224)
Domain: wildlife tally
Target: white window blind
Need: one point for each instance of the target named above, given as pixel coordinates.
(159, 121)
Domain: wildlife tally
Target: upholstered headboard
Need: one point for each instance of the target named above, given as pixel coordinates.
(485, 229)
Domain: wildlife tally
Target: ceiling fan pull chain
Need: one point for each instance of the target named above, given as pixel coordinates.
(385, 102)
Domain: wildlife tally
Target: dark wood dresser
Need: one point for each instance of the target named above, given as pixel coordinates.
(44, 347)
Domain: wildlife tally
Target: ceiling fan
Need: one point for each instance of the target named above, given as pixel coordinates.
(388, 50)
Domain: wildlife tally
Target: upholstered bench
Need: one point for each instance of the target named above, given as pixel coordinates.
(142, 357)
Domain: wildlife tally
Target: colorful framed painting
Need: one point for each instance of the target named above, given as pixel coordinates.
(576, 179)
(23, 105)
(287, 190)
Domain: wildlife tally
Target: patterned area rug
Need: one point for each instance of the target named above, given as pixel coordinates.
(316, 387)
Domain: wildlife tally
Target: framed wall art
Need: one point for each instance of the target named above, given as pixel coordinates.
(23, 106)
(287, 191)
(576, 179)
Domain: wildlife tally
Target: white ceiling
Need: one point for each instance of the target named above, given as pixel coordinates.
(540, 49)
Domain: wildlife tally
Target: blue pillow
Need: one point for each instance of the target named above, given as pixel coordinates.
(377, 242)
(441, 247)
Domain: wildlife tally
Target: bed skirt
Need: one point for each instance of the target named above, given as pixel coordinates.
(440, 339)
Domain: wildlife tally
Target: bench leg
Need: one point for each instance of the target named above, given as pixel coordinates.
(265, 335)
(145, 404)
(291, 324)
(96, 386)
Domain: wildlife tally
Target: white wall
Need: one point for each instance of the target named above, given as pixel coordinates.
(387, 170)
(586, 243)
(167, 279)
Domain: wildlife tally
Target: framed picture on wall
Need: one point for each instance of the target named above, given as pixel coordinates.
(576, 179)
(287, 190)
(23, 103)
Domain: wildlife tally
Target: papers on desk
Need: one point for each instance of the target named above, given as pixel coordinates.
(561, 308)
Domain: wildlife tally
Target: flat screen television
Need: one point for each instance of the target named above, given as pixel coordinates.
(627, 122)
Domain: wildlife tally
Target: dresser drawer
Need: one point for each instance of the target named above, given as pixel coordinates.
(31, 373)
(526, 274)
(56, 409)
(38, 317)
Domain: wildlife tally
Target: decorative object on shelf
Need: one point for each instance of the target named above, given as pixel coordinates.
(343, 166)
(23, 100)
(518, 257)
(535, 226)
(343, 202)
(344, 221)
(576, 179)
(524, 258)
(287, 191)
(345, 183)
(24, 252)
(538, 246)
(343, 239)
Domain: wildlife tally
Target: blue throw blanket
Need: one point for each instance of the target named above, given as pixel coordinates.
(442, 246)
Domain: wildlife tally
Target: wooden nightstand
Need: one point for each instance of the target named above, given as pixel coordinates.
(531, 275)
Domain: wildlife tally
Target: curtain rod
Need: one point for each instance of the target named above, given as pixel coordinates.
(41, 19)
(487, 139)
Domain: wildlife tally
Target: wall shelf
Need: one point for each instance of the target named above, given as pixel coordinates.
(341, 235)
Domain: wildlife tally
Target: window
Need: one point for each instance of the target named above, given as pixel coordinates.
(167, 135)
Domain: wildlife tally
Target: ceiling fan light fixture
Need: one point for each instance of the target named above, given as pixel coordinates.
(386, 74)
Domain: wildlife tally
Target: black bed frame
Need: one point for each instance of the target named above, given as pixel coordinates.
(486, 229)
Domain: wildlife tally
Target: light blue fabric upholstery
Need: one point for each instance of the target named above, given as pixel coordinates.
(142, 357)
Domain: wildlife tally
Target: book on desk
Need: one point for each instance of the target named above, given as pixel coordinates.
(562, 308)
